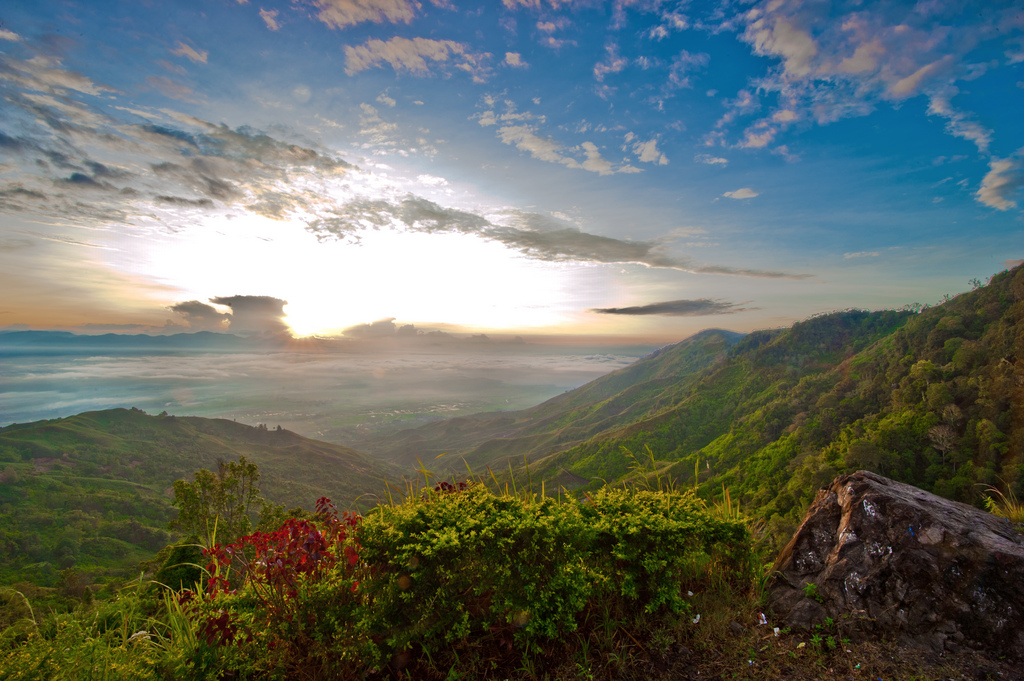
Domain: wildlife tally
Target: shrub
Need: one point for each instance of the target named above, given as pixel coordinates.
(454, 567)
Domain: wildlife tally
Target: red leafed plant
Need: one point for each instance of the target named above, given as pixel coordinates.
(275, 571)
(273, 562)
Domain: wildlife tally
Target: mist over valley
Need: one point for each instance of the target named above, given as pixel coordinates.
(328, 392)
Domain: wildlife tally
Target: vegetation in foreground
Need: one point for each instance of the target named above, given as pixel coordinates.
(453, 580)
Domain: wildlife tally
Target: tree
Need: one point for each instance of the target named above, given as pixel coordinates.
(943, 439)
(219, 507)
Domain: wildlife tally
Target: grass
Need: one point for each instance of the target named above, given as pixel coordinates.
(1005, 504)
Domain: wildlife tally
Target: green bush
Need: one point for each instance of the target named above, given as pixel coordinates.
(460, 568)
(448, 578)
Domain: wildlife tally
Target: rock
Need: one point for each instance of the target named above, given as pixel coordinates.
(736, 628)
(888, 560)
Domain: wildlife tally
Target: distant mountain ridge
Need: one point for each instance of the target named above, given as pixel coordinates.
(64, 342)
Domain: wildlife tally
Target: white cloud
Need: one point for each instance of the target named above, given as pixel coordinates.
(342, 13)
(612, 62)
(959, 124)
(711, 160)
(1003, 180)
(647, 152)
(684, 65)
(269, 17)
(45, 74)
(835, 62)
(862, 254)
(373, 126)
(515, 59)
(525, 138)
(741, 193)
(670, 22)
(594, 162)
(511, 114)
(197, 56)
(432, 180)
(169, 88)
(774, 35)
(385, 100)
(10, 35)
(403, 54)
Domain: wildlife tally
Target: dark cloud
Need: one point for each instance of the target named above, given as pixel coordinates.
(249, 315)
(382, 328)
(200, 316)
(50, 124)
(179, 201)
(199, 175)
(17, 199)
(535, 236)
(255, 314)
(678, 308)
(60, 159)
(83, 180)
(13, 143)
(171, 133)
(100, 170)
(14, 243)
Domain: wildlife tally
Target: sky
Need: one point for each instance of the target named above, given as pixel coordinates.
(616, 169)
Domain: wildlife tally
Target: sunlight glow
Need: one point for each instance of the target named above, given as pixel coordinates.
(329, 285)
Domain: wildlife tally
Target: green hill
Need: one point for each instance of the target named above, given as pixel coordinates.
(612, 401)
(933, 398)
(93, 491)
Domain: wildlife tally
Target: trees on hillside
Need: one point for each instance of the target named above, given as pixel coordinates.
(220, 507)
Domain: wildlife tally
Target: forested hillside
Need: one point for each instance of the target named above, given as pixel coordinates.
(934, 398)
(93, 491)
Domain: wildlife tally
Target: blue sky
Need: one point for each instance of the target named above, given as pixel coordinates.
(637, 169)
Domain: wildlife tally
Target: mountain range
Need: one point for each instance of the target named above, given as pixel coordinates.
(932, 396)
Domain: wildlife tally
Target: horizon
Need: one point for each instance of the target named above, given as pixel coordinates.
(623, 169)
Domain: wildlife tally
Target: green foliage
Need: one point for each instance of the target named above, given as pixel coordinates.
(454, 570)
(456, 564)
(811, 591)
(123, 638)
(92, 491)
(182, 568)
(931, 396)
(220, 505)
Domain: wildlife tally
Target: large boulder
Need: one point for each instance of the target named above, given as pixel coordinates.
(885, 559)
